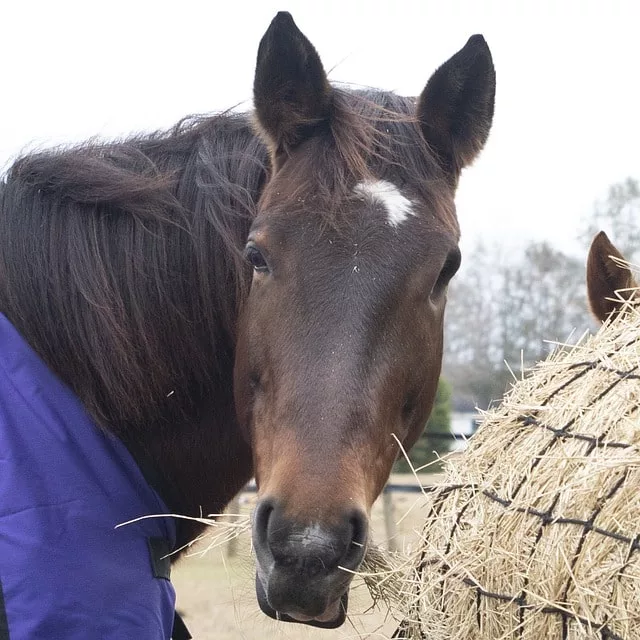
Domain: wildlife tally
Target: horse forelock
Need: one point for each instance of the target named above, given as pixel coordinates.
(372, 136)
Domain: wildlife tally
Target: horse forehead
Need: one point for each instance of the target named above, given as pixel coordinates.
(397, 206)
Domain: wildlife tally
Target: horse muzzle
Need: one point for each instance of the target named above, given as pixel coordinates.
(304, 569)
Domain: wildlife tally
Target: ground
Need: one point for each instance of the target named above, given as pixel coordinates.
(216, 593)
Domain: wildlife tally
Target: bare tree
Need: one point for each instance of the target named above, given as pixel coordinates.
(619, 215)
(508, 308)
(552, 306)
(505, 310)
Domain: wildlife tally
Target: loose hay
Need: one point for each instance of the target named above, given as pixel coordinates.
(222, 528)
(535, 533)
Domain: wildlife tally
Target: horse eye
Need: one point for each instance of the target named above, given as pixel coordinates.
(449, 269)
(256, 259)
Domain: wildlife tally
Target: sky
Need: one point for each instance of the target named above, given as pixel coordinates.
(568, 81)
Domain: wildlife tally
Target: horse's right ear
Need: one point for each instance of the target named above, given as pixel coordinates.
(609, 285)
(291, 92)
(456, 107)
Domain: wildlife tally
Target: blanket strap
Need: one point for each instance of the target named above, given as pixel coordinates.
(180, 631)
(4, 623)
(159, 551)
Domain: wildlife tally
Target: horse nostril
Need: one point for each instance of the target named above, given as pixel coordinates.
(359, 527)
(261, 516)
(359, 535)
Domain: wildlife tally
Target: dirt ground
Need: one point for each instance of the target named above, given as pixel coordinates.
(216, 594)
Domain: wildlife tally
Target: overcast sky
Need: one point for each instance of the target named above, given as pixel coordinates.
(567, 106)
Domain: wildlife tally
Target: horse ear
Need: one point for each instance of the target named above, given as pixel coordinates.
(291, 92)
(605, 277)
(456, 107)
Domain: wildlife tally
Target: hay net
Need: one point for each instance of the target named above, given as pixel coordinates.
(535, 533)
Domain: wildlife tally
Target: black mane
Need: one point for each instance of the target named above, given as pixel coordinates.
(121, 263)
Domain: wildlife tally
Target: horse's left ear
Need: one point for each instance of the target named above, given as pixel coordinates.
(291, 92)
(456, 107)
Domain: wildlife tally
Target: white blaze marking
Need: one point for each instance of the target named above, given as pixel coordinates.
(398, 207)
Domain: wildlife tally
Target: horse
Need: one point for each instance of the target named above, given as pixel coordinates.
(256, 295)
(609, 284)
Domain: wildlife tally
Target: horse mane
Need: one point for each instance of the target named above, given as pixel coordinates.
(121, 263)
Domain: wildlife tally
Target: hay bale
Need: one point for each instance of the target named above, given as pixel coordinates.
(535, 533)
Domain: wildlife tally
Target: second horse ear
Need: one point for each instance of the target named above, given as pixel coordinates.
(456, 107)
(291, 92)
(609, 284)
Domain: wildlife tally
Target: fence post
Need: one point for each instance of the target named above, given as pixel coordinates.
(389, 520)
(234, 509)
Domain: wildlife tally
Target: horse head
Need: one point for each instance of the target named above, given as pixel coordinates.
(339, 345)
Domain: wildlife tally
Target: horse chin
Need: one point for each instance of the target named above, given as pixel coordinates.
(333, 617)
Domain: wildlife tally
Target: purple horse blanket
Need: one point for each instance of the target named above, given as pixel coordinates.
(65, 570)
